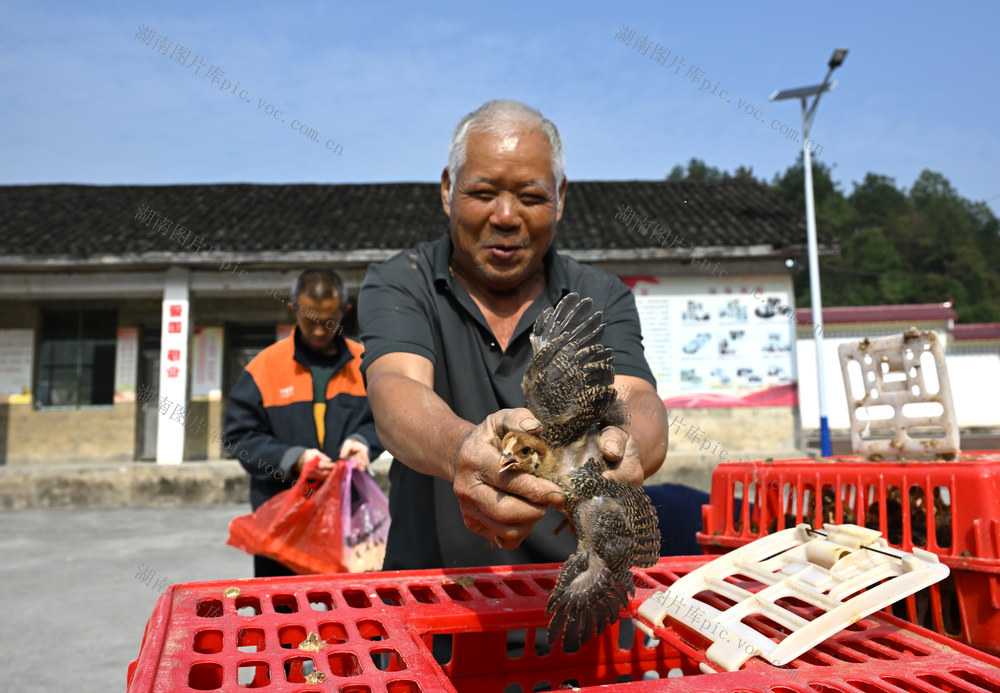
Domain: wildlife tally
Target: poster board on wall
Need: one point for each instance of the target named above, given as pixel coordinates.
(206, 371)
(719, 342)
(17, 348)
(126, 359)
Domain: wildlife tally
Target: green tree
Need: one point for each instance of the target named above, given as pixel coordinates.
(677, 173)
(696, 170)
(924, 245)
(950, 242)
(834, 221)
(878, 201)
(834, 213)
(867, 272)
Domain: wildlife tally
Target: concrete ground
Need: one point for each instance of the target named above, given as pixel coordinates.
(73, 610)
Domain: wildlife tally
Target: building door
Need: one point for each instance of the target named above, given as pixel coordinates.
(243, 342)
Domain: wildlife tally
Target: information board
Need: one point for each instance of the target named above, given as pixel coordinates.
(719, 342)
(17, 348)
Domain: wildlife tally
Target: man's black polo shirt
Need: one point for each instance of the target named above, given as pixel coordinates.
(412, 304)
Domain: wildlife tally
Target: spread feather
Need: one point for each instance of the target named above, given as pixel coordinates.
(569, 387)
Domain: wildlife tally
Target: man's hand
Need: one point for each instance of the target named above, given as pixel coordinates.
(648, 430)
(355, 450)
(322, 469)
(622, 455)
(503, 507)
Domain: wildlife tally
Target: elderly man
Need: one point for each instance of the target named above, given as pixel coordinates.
(446, 328)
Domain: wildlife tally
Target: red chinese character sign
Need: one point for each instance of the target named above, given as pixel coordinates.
(174, 357)
(173, 347)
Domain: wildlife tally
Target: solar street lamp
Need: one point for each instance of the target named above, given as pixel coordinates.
(808, 111)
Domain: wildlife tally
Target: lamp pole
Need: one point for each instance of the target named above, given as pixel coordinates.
(808, 112)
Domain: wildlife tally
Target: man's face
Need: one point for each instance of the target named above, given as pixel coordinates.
(503, 212)
(318, 322)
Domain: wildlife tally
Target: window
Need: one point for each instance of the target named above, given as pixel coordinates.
(76, 359)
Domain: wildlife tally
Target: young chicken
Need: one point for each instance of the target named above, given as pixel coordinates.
(568, 386)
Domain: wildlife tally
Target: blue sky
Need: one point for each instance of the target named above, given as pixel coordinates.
(86, 102)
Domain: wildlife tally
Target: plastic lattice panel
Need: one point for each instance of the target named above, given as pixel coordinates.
(379, 633)
(947, 507)
(845, 574)
(899, 398)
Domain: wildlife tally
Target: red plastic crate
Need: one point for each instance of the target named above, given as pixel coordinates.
(950, 508)
(379, 628)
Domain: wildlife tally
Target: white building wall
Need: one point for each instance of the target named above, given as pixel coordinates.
(836, 399)
(975, 384)
(975, 388)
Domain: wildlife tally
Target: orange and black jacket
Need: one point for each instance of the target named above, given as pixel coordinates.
(271, 415)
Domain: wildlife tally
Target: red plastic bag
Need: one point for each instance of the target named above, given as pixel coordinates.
(311, 530)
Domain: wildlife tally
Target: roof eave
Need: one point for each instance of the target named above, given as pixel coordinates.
(194, 260)
(659, 254)
(363, 256)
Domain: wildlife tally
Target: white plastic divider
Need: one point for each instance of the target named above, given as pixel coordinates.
(802, 564)
(894, 378)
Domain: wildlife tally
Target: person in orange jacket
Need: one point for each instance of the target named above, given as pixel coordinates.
(302, 398)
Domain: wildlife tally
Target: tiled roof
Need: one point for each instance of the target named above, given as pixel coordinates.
(82, 221)
(979, 330)
(900, 313)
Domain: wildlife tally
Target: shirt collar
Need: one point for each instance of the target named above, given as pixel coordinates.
(556, 282)
(308, 358)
